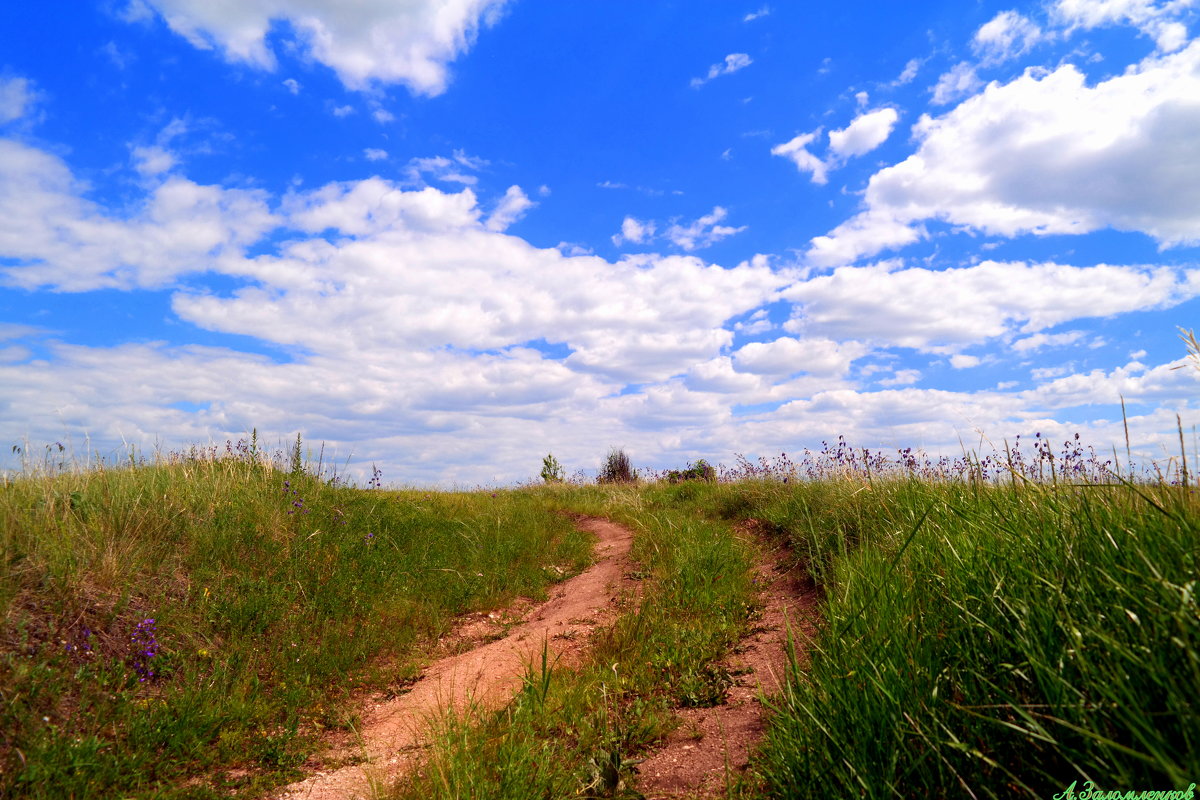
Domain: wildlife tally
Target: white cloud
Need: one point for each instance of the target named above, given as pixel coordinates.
(753, 15)
(796, 150)
(1046, 153)
(366, 42)
(16, 97)
(411, 270)
(696, 235)
(757, 323)
(1042, 340)
(375, 154)
(512, 207)
(703, 232)
(1157, 20)
(864, 134)
(909, 72)
(635, 230)
(1042, 373)
(457, 169)
(903, 377)
(732, 63)
(959, 82)
(292, 85)
(58, 238)
(963, 361)
(1005, 37)
(343, 111)
(153, 160)
(948, 310)
(788, 356)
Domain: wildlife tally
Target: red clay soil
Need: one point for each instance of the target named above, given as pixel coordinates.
(393, 734)
(712, 746)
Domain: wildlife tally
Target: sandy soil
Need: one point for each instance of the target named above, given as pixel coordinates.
(488, 656)
(712, 745)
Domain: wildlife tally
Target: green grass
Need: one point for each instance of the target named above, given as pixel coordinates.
(580, 732)
(275, 597)
(987, 641)
(979, 638)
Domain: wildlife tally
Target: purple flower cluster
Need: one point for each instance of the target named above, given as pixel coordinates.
(1072, 463)
(145, 647)
(82, 644)
(376, 481)
(297, 502)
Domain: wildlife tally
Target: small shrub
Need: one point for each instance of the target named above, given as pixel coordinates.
(552, 471)
(699, 471)
(617, 468)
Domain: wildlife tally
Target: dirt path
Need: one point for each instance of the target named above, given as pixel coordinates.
(393, 732)
(713, 745)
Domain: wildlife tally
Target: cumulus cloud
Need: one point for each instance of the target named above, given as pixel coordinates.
(58, 238)
(1006, 36)
(367, 42)
(1039, 341)
(424, 269)
(796, 151)
(906, 76)
(948, 310)
(698, 234)
(457, 169)
(635, 230)
(375, 154)
(1046, 153)
(955, 84)
(732, 63)
(376, 282)
(864, 134)
(153, 160)
(702, 232)
(902, 377)
(512, 207)
(788, 356)
(963, 361)
(1158, 20)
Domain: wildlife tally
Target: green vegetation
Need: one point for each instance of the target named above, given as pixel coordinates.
(996, 627)
(617, 468)
(580, 731)
(187, 628)
(552, 471)
(990, 641)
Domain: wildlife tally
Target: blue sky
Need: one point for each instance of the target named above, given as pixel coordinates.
(450, 236)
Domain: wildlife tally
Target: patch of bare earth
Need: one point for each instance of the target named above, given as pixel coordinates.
(712, 746)
(483, 662)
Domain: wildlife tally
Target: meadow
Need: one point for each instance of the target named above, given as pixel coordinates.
(997, 626)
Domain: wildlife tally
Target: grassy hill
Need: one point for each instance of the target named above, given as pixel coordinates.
(992, 629)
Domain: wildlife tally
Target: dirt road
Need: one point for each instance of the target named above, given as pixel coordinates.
(393, 734)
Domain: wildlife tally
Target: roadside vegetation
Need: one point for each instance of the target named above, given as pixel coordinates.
(187, 628)
(994, 626)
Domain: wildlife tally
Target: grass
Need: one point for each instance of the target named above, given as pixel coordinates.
(581, 731)
(997, 627)
(186, 629)
(991, 641)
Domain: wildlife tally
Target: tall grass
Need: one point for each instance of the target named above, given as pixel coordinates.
(186, 629)
(987, 640)
(580, 731)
